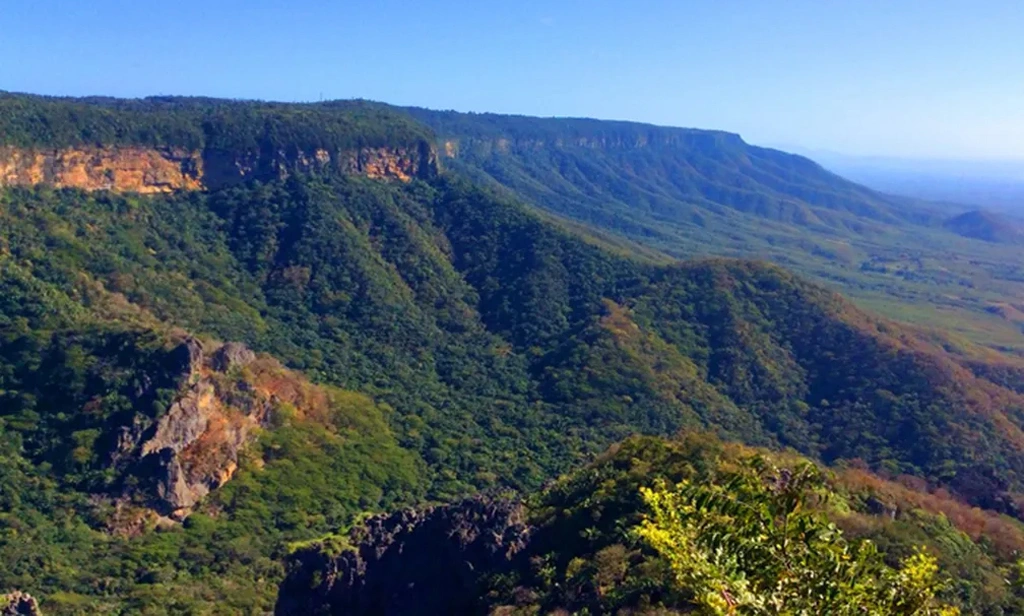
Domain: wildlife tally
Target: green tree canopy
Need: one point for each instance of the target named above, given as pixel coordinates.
(756, 543)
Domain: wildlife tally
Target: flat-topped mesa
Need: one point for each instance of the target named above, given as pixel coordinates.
(152, 170)
(164, 144)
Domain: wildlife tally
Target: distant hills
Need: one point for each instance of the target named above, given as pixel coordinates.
(690, 193)
(988, 226)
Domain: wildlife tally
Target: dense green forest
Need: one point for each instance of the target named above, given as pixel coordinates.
(200, 123)
(502, 348)
(481, 324)
(438, 338)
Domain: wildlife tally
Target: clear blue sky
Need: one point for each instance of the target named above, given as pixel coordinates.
(927, 78)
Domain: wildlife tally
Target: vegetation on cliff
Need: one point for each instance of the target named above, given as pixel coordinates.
(201, 123)
(666, 526)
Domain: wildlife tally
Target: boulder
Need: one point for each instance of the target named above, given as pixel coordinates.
(231, 355)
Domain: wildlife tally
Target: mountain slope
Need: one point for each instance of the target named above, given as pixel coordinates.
(987, 226)
(696, 193)
(99, 443)
(479, 322)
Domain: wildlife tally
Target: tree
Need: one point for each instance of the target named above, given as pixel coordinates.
(757, 542)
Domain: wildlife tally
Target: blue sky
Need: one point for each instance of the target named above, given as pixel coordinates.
(928, 78)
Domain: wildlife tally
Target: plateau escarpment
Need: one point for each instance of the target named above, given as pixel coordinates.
(581, 167)
(161, 145)
(122, 169)
(229, 168)
(150, 170)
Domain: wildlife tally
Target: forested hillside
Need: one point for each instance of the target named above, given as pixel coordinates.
(585, 544)
(200, 123)
(695, 193)
(417, 338)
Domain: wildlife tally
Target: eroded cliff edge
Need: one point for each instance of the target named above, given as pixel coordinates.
(153, 170)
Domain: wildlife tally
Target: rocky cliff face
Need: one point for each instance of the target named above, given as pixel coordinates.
(411, 562)
(122, 169)
(676, 139)
(193, 447)
(162, 170)
(224, 168)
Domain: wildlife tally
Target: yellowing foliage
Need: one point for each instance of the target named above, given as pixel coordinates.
(754, 544)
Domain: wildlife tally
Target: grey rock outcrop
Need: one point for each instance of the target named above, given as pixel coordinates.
(193, 447)
(231, 355)
(183, 423)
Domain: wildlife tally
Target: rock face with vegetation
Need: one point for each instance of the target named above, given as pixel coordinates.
(135, 169)
(129, 169)
(411, 562)
(687, 525)
(403, 342)
(19, 603)
(175, 144)
(194, 446)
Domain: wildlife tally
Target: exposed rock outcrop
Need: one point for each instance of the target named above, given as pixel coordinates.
(231, 355)
(224, 168)
(148, 170)
(654, 137)
(19, 603)
(411, 562)
(121, 169)
(193, 447)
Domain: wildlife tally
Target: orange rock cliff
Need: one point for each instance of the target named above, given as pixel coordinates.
(151, 170)
(124, 169)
